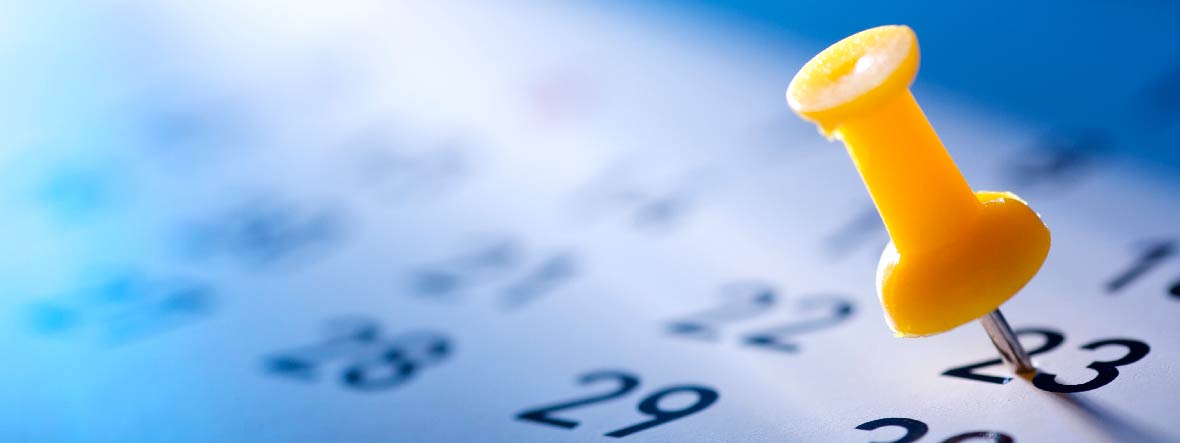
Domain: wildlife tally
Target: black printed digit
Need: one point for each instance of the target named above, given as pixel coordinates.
(652, 203)
(1052, 339)
(836, 309)
(982, 436)
(740, 300)
(490, 258)
(343, 336)
(914, 429)
(266, 232)
(396, 361)
(651, 406)
(662, 211)
(1058, 159)
(864, 228)
(399, 175)
(550, 274)
(156, 308)
(1155, 253)
(626, 382)
(1107, 370)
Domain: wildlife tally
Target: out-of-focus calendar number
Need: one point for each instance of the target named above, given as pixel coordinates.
(371, 362)
(746, 300)
(125, 306)
(266, 232)
(1152, 254)
(524, 277)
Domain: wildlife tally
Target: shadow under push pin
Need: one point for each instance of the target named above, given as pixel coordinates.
(956, 255)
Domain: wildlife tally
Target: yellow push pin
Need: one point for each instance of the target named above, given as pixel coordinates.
(956, 255)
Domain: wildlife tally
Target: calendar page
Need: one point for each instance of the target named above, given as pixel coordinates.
(470, 221)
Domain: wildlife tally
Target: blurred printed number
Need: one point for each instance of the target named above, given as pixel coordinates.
(864, 228)
(651, 204)
(126, 307)
(743, 301)
(1057, 160)
(1152, 254)
(267, 232)
(625, 382)
(915, 430)
(1107, 371)
(498, 259)
(396, 176)
(370, 362)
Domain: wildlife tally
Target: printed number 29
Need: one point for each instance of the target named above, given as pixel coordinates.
(626, 382)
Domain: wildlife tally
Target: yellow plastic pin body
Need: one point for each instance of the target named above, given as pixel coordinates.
(955, 255)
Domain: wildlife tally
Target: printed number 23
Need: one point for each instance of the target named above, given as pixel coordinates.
(1107, 370)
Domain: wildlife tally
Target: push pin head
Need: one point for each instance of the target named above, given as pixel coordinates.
(854, 75)
(955, 255)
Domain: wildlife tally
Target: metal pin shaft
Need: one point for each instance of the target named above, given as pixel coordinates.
(1005, 340)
